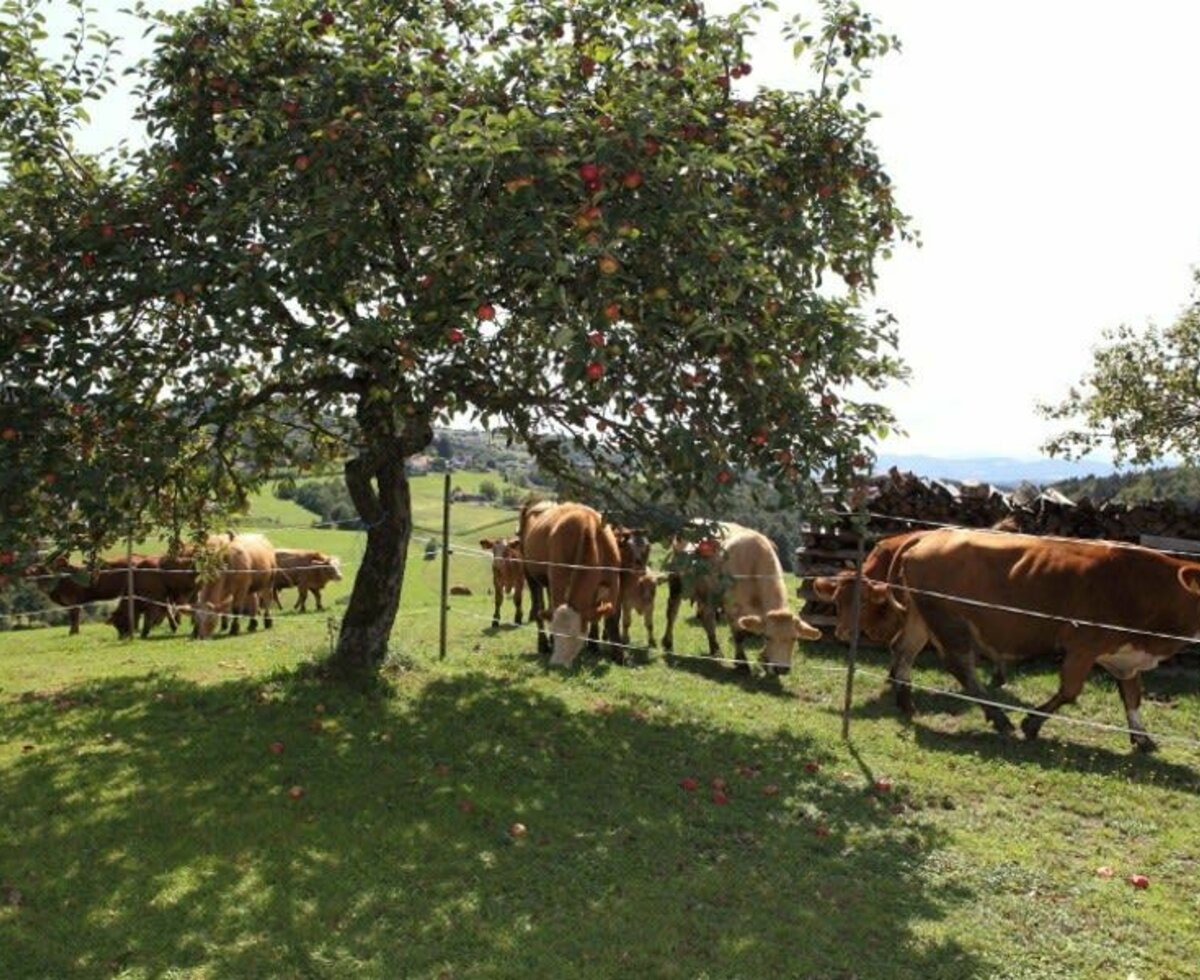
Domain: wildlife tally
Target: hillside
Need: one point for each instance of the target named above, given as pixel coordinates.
(1178, 483)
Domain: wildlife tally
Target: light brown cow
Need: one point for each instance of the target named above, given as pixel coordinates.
(570, 551)
(1017, 596)
(308, 571)
(508, 574)
(242, 583)
(638, 587)
(739, 568)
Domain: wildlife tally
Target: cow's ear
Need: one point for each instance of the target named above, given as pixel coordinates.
(487, 543)
(806, 631)
(751, 624)
(1189, 578)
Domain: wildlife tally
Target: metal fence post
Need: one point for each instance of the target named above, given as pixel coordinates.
(129, 584)
(445, 566)
(857, 606)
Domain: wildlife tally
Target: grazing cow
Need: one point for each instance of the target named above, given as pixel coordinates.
(1016, 596)
(308, 571)
(74, 586)
(508, 574)
(569, 550)
(740, 569)
(638, 586)
(242, 583)
(879, 620)
(160, 584)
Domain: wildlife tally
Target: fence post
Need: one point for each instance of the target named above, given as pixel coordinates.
(857, 607)
(445, 566)
(129, 584)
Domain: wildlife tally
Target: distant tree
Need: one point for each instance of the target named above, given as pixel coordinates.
(355, 221)
(488, 490)
(1141, 396)
(511, 497)
(443, 446)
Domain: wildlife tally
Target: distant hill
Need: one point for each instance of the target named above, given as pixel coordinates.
(1178, 483)
(999, 471)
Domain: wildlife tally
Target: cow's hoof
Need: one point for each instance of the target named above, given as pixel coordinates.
(1144, 744)
(496, 623)
(741, 667)
(650, 644)
(999, 679)
(668, 645)
(516, 620)
(905, 703)
(1031, 727)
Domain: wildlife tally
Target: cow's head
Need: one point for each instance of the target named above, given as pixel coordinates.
(634, 547)
(207, 615)
(566, 627)
(780, 629)
(503, 548)
(332, 567)
(879, 619)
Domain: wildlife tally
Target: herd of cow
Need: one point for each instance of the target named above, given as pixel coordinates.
(1005, 597)
(246, 575)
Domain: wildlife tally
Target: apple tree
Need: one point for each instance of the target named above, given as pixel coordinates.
(1141, 397)
(585, 224)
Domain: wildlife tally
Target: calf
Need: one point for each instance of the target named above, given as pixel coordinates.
(571, 552)
(638, 587)
(508, 574)
(307, 571)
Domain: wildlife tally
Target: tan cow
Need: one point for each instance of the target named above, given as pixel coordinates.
(570, 551)
(740, 569)
(638, 586)
(242, 583)
(508, 574)
(1017, 596)
(308, 571)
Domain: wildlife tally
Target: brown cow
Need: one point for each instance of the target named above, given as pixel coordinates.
(242, 583)
(1124, 607)
(308, 571)
(740, 569)
(508, 574)
(638, 587)
(74, 586)
(160, 584)
(569, 550)
(879, 620)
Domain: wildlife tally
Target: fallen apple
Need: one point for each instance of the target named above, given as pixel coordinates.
(296, 792)
(719, 798)
(1139, 881)
(517, 830)
(719, 784)
(689, 784)
(1105, 872)
(276, 748)
(883, 785)
(812, 767)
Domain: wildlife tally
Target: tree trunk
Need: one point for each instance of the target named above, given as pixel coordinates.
(387, 509)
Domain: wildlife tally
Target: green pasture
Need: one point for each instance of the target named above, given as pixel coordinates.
(148, 830)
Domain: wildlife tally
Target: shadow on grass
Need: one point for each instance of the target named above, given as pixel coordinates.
(148, 828)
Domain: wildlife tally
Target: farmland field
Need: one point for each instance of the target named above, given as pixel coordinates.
(148, 829)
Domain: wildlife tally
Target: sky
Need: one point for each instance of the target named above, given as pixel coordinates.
(1044, 151)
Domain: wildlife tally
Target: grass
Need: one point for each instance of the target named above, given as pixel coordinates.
(147, 829)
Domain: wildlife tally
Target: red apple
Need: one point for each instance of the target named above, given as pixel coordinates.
(650, 146)
(722, 81)
(745, 68)
(719, 798)
(594, 371)
(425, 281)
(824, 191)
(1139, 881)
(327, 18)
(632, 180)
(706, 547)
(589, 171)
(593, 213)
(596, 339)
(812, 767)
(638, 409)
(275, 748)
(689, 784)
(608, 265)
(9, 433)
(455, 336)
(612, 311)
(759, 438)
(296, 792)
(485, 311)
(587, 66)
(302, 162)
(724, 477)
(883, 785)
(107, 231)
(7, 558)
(290, 107)
(88, 259)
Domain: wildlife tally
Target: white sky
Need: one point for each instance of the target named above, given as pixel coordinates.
(1044, 150)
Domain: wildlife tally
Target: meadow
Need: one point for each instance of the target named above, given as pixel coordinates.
(211, 810)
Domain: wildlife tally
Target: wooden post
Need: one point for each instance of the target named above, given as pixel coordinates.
(857, 607)
(129, 584)
(445, 566)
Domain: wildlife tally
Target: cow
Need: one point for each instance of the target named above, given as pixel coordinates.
(1016, 596)
(160, 584)
(242, 582)
(638, 586)
(571, 552)
(75, 586)
(508, 574)
(878, 619)
(740, 570)
(307, 571)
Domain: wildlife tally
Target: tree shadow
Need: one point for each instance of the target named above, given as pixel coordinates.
(149, 829)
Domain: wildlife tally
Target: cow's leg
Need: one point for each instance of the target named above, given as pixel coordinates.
(73, 617)
(626, 618)
(317, 595)
(961, 663)
(1131, 697)
(708, 619)
(1075, 668)
(518, 597)
(498, 595)
(299, 603)
(538, 614)
(265, 602)
(674, 598)
(739, 651)
(648, 616)
(612, 636)
(999, 674)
